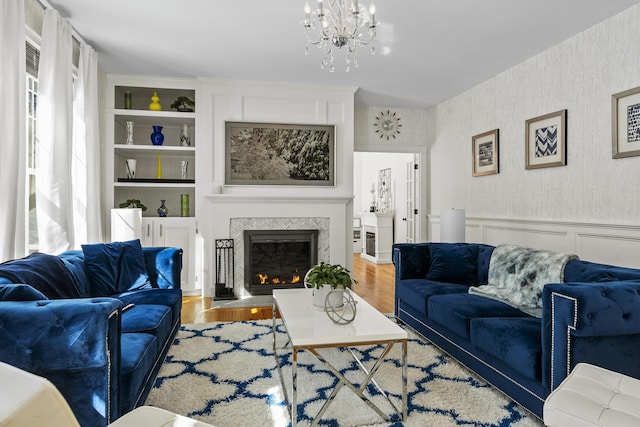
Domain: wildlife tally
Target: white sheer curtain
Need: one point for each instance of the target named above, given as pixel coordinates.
(12, 131)
(54, 148)
(86, 151)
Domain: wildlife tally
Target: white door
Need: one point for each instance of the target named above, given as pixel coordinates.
(411, 203)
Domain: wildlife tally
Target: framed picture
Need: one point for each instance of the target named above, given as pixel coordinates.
(279, 154)
(546, 141)
(485, 153)
(625, 123)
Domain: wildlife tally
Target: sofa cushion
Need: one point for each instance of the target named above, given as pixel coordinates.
(514, 341)
(171, 298)
(455, 311)
(19, 292)
(453, 263)
(137, 358)
(148, 318)
(43, 272)
(115, 267)
(416, 292)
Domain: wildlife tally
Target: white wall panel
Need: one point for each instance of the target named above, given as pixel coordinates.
(613, 244)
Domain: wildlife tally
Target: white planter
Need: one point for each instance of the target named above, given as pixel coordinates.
(336, 299)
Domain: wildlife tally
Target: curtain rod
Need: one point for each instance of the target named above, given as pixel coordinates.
(45, 4)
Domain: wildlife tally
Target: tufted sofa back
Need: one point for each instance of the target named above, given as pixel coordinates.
(585, 271)
(482, 268)
(413, 260)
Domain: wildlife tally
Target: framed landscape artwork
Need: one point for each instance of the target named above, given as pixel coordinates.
(485, 153)
(279, 154)
(546, 141)
(625, 123)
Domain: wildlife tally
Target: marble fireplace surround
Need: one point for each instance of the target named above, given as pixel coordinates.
(239, 225)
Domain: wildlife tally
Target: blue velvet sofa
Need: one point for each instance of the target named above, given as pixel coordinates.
(592, 316)
(96, 322)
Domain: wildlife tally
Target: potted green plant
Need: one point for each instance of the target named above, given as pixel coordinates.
(183, 104)
(132, 204)
(324, 278)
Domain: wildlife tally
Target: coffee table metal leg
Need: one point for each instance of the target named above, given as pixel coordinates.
(404, 380)
(294, 381)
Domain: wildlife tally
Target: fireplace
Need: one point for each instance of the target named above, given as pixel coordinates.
(278, 259)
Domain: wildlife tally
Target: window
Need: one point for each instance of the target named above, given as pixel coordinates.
(33, 56)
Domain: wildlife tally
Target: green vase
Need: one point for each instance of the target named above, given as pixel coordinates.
(184, 205)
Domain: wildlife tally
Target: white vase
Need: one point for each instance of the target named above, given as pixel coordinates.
(185, 140)
(129, 133)
(336, 299)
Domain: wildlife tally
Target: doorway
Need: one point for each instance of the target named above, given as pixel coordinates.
(403, 192)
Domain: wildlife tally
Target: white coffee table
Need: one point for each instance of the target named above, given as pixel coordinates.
(311, 329)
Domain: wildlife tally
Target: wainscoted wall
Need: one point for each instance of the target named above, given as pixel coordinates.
(555, 207)
(605, 243)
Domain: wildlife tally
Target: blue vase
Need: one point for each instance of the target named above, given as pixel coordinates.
(157, 138)
(162, 210)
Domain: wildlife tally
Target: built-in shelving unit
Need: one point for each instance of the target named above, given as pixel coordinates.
(148, 186)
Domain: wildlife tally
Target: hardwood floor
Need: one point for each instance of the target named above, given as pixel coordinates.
(375, 285)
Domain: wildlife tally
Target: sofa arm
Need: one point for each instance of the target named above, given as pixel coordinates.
(589, 322)
(411, 260)
(75, 344)
(49, 335)
(164, 266)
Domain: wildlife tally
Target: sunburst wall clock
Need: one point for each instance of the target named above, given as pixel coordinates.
(387, 125)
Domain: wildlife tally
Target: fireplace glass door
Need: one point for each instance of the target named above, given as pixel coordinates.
(278, 259)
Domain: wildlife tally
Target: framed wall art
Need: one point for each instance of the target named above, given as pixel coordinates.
(279, 154)
(546, 141)
(485, 152)
(625, 123)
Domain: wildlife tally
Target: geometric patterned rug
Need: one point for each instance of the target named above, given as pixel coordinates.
(224, 373)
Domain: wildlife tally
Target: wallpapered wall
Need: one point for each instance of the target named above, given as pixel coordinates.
(579, 75)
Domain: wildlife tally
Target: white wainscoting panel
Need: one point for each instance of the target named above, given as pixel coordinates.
(613, 244)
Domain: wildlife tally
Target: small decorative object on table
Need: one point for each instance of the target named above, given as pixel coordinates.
(157, 138)
(162, 210)
(185, 141)
(132, 204)
(129, 133)
(324, 278)
(183, 104)
(155, 104)
(344, 314)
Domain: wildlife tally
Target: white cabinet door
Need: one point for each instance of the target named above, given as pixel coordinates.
(174, 232)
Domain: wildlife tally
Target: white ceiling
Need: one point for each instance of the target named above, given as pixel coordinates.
(428, 50)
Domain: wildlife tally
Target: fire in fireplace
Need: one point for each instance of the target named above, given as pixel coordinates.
(278, 259)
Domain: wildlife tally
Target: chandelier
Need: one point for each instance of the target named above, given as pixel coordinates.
(338, 24)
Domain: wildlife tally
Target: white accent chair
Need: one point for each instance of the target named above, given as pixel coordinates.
(27, 400)
(592, 396)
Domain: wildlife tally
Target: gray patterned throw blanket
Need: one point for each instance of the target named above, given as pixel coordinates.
(517, 276)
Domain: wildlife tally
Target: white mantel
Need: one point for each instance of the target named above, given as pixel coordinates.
(247, 198)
